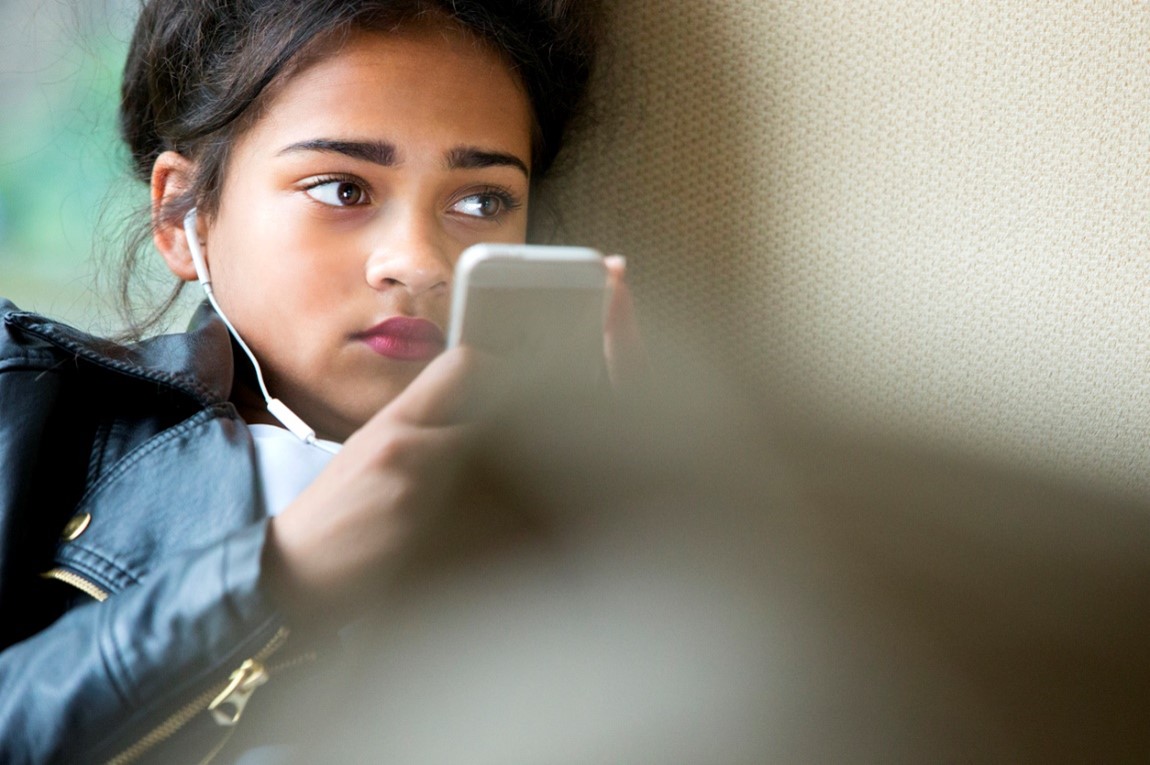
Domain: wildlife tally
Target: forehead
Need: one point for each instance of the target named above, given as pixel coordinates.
(423, 83)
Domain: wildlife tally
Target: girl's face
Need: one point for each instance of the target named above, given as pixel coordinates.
(346, 206)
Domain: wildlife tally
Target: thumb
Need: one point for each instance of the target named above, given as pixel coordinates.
(439, 394)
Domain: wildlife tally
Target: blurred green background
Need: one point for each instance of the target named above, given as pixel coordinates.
(65, 189)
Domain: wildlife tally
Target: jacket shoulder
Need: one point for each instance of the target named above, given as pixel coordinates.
(17, 347)
(29, 338)
(196, 364)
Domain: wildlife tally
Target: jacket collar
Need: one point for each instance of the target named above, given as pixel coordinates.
(197, 363)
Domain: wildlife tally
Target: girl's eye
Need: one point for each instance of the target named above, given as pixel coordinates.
(338, 193)
(487, 205)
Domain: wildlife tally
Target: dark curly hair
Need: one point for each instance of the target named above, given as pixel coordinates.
(198, 72)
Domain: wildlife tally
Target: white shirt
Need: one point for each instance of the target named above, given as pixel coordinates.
(285, 465)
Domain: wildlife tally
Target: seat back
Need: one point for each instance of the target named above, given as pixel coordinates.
(925, 221)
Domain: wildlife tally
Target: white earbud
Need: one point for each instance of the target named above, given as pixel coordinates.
(198, 261)
(276, 408)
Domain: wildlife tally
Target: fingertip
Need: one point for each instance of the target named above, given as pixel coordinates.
(616, 265)
(467, 356)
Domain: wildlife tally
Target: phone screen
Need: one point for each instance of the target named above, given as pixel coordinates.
(538, 307)
(556, 328)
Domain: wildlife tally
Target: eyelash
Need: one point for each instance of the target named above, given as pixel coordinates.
(510, 202)
(326, 179)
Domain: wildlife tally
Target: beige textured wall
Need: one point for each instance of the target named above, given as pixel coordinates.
(922, 220)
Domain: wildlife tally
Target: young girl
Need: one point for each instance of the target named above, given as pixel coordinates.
(322, 164)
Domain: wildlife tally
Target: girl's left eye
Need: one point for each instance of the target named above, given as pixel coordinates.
(485, 205)
(338, 193)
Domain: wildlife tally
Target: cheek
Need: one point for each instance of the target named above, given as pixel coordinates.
(282, 266)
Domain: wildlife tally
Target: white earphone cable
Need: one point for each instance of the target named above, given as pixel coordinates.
(276, 408)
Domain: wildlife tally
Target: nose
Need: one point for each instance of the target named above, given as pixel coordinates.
(413, 254)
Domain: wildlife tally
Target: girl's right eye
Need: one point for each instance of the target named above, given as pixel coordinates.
(337, 192)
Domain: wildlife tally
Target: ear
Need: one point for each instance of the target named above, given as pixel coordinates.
(171, 177)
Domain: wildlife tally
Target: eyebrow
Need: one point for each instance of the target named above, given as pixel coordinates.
(376, 152)
(467, 157)
(385, 154)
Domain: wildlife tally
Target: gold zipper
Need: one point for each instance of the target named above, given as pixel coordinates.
(228, 705)
(241, 685)
(241, 681)
(77, 581)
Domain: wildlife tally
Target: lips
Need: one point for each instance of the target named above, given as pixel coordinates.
(405, 338)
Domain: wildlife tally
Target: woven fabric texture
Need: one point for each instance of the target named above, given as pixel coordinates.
(924, 220)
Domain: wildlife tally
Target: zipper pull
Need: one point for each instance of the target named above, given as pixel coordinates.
(227, 707)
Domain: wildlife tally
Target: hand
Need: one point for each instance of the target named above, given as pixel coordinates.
(356, 523)
(622, 345)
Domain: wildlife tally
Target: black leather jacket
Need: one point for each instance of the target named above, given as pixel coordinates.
(130, 537)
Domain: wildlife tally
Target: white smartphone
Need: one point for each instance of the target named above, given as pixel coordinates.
(539, 305)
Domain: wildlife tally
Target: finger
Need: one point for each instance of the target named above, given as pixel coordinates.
(441, 391)
(622, 344)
